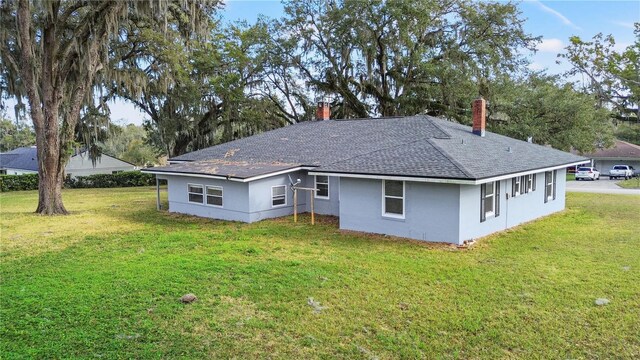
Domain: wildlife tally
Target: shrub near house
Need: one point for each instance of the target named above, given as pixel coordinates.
(18, 182)
(121, 179)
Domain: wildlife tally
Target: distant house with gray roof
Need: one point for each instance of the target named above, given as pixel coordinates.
(621, 153)
(417, 177)
(24, 160)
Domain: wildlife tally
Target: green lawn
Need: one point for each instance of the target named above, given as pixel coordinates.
(630, 184)
(104, 282)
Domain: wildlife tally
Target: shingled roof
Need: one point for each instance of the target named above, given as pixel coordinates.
(619, 150)
(415, 146)
(24, 158)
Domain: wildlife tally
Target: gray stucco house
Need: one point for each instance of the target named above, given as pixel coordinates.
(417, 177)
(621, 153)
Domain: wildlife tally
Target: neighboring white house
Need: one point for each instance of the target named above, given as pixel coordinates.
(24, 160)
(416, 177)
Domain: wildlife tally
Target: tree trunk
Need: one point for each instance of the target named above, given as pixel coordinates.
(50, 164)
(50, 189)
(44, 102)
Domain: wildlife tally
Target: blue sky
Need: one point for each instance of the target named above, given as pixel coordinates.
(555, 21)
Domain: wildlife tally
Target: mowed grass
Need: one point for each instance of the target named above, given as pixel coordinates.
(630, 184)
(105, 282)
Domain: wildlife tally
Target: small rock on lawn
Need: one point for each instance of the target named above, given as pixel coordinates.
(317, 308)
(188, 298)
(602, 301)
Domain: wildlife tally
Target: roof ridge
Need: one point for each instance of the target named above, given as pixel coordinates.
(448, 157)
(431, 120)
(374, 118)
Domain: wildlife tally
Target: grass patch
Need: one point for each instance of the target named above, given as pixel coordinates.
(633, 183)
(105, 282)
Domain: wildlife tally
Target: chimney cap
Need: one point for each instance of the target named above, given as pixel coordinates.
(323, 112)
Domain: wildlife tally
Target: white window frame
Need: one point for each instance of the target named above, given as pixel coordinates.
(517, 186)
(385, 196)
(189, 193)
(492, 213)
(548, 192)
(273, 197)
(206, 195)
(529, 183)
(315, 186)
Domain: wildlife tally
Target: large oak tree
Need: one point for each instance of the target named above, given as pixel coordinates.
(392, 58)
(611, 76)
(199, 92)
(54, 55)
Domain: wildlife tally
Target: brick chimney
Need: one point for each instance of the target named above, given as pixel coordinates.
(479, 110)
(323, 112)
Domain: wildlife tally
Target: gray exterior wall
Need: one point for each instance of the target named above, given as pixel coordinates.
(235, 198)
(330, 206)
(246, 202)
(604, 166)
(431, 210)
(442, 212)
(260, 205)
(513, 211)
(11, 171)
(81, 165)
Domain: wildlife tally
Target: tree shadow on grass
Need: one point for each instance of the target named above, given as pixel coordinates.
(110, 295)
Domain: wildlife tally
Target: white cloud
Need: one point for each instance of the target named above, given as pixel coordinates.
(624, 24)
(551, 45)
(557, 14)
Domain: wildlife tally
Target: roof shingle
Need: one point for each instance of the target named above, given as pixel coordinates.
(24, 158)
(621, 150)
(418, 146)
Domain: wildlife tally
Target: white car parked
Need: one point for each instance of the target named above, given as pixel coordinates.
(587, 173)
(621, 171)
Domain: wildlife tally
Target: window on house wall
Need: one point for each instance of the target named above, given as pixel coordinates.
(393, 198)
(489, 200)
(523, 184)
(278, 195)
(516, 186)
(550, 185)
(530, 183)
(195, 193)
(214, 195)
(322, 187)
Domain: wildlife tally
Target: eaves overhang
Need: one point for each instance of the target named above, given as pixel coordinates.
(442, 180)
(223, 177)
